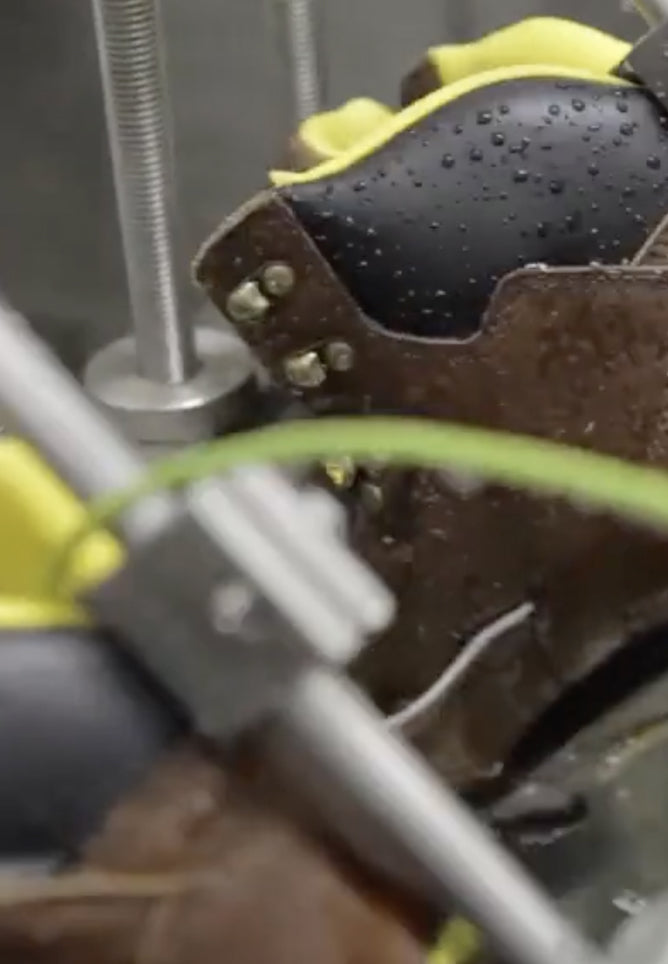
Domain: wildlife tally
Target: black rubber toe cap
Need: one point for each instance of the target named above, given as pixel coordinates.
(524, 171)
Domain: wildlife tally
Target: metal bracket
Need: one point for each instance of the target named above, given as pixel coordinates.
(247, 582)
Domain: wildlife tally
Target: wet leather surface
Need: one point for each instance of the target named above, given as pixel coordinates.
(577, 355)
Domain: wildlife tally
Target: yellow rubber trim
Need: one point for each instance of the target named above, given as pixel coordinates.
(26, 614)
(336, 131)
(421, 109)
(38, 514)
(546, 40)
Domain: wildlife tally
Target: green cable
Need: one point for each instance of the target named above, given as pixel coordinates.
(601, 482)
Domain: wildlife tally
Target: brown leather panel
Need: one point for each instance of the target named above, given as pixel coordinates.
(575, 355)
(422, 80)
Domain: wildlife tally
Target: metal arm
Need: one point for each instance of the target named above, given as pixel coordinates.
(298, 24)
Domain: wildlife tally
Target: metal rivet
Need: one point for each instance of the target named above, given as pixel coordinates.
(340, 356)
(341, 472)
(372, 497)
(278, 279)
(247, 303)
(305, 370)
(232, 604)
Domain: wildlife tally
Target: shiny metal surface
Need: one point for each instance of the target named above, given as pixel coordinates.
(644, 939)
(653, 11)
(343, 744)
(130, 46)
(299, 27)
(212, 401)
(166, 384)
(82, 446)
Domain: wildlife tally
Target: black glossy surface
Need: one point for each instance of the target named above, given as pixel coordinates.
(78, 729)
(516, 173)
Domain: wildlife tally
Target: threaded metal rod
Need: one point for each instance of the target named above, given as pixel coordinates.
(655, 12)
(129, 45)
(300, 39)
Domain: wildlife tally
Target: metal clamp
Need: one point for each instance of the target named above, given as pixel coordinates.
(248, 582)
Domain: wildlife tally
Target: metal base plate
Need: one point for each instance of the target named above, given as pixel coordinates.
(205, 406)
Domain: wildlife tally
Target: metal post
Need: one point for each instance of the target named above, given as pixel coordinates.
(300, 45)
(367, 782)
(155, 383)
(129, 41)
(653, 11)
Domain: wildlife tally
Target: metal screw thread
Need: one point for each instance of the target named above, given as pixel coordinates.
(301, 38)
(653, 11)
(129, 45)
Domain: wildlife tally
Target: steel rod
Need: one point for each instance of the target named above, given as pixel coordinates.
(43, 403)
(299, 25)
(653, 11)
(129, 40)
(354, 765)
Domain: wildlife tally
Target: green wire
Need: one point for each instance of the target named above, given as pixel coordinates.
(548, 468)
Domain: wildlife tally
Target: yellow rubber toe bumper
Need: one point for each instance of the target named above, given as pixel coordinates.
(536, 40)
(38, 515)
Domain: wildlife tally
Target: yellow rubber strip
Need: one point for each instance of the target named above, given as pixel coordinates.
(422, 109)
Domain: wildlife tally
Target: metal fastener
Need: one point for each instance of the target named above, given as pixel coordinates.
(305, 370)
(247, 303)
(278, 279)
(341, 472)
(340, 356)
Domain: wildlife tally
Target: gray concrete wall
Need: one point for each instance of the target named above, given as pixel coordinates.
(59, 251)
